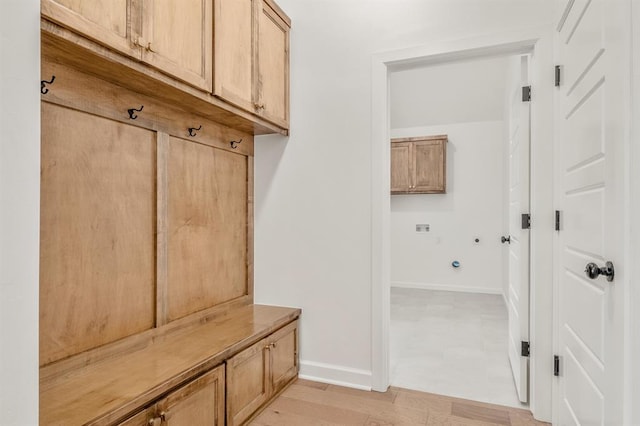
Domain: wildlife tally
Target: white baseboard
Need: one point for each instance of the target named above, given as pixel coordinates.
(447, 287)
(335, 375)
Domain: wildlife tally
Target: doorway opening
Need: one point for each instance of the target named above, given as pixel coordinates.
(459, 258)
(537, 42)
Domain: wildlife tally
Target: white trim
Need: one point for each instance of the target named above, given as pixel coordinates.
(447, 287)
(511, 42)
(335, 375)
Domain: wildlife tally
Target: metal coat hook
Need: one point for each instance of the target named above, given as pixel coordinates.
(43, 83)
(132, 110)
(234, 144)
(192, 130)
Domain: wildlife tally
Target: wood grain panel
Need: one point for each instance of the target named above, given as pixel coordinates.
(201, 402)
(207, 227)
(107, 22)
(273, 67)
(284, 356)
(234, 51)
(178, 39)
(97, 264)
(429, 171)
(247, 382)
(401, 167)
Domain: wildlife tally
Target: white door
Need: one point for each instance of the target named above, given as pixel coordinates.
(592, 104)
(518, 297)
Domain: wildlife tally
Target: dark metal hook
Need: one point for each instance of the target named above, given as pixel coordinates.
(234, 144)
(131, 112)
(43, 83)
(193, 129)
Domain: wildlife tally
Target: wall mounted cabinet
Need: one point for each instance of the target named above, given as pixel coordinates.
(257, 82)
(147, 30)
(418, 165)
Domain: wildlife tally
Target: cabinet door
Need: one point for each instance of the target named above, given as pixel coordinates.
(283, 356)
(200, 402)
(107, 22)
(234, 52)
(247, 382)
(177, 38)
(401, 167)
(272, 81)
(429, 166)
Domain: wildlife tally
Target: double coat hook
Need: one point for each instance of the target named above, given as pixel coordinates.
(43, 84)
(192, 130)
(132, 112)
(234, 144)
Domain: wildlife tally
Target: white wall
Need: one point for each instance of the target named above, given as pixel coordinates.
(19, 210)
(313, 236)
(461, 91)
(472, 207)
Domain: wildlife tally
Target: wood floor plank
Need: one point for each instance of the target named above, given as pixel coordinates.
(315, 404)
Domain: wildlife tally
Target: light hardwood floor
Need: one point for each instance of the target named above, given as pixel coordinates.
(307, 403)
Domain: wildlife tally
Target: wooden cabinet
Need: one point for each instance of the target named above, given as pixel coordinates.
(177, 37)
(252, 57)
(110, 23)
(174, 36)
(200, 402)
(418, 165)
(259, 372)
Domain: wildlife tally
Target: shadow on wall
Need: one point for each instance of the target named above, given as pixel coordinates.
(431, 202)
(271, 150)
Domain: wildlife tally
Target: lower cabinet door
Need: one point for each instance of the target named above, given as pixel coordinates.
(200, 402)
(283, 356)
(247, 384)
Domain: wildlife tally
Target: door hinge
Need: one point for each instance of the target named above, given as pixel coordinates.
(557, 75)
(526, 93)
(558, 220)
(526, 221)
(524, 348)
(556, 365)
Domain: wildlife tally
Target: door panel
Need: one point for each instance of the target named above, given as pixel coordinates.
(284, 356)
(273, 67)
(233, 26)
(177, 37)
(590, 137)
(518, 294)
(428, 168)
(247, 382)
(400, 167)
(103, 21)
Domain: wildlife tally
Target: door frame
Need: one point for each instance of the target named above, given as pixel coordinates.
(539, 42)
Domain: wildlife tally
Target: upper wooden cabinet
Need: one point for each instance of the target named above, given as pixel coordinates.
(418, 165)
(252, 57)
(174, 36)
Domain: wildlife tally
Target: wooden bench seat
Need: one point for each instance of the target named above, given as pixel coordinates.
(110, 390)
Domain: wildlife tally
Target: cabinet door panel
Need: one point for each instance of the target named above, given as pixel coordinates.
(200, 402)
(400, 167)
(233, 26)
(207, 227)
(178, 39)
(284, 356)
(97, 232)
(273, 67)
(106, 22)
(429, 172)
(247, 382)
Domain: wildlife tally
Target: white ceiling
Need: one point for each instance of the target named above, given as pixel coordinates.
(458, 92)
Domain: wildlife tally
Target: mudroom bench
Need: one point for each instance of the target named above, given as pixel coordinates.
(225, 367)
